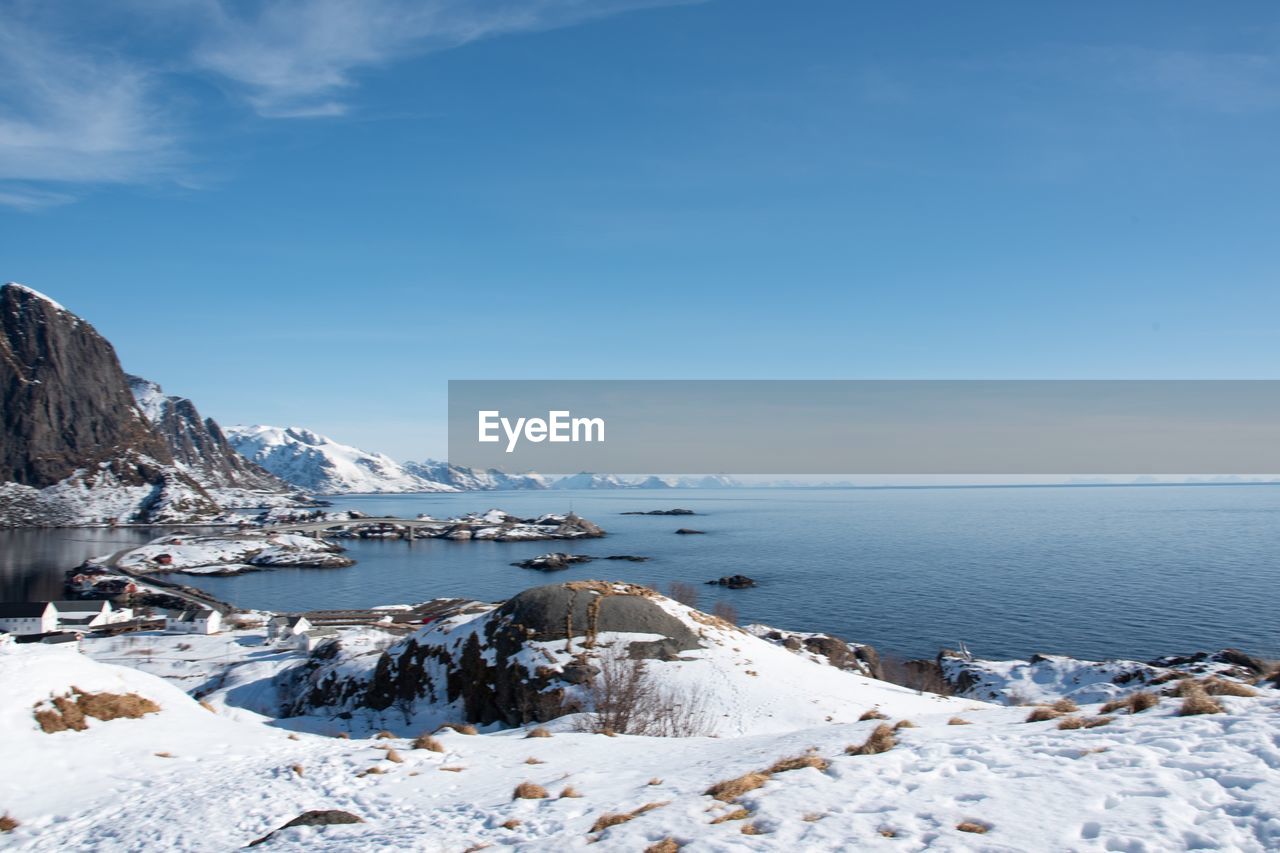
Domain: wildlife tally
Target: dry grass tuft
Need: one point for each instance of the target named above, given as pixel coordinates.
(511, 823)
(666, 845)
(958, 721)
(425, 741)
(1042, 713)
(1065, 706)
(384, 735)
(1071, 723)
(1134, 703)
(532, 760)
(903, 724)
(1198, 702)
(813, 817)
(540, 731)
(799, 762)
(460, 728)
(69, 712)
(888, 832)
(613, 819)
(454, 769)
(974, 827)
(394, 756)
(737, 814)
(529, 791)
(208, 707)
(881, 740)
(655, 781)
(7, 823)
(730, 789)
(296, 768)
(569, 793)
(342, 736)
(873, 714)
(1094, 722)
(752, 829)
(1223, 687)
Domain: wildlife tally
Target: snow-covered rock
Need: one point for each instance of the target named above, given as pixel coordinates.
(473, 479)
(317, 463)
(231, 554)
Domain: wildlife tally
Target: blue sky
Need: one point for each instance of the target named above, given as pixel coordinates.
(317, 213)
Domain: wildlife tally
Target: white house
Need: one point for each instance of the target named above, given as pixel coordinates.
(284, 627)
(89, 613)
(194, 622)
(28, 617)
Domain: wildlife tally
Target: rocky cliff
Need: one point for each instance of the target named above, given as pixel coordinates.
(74, 447)
(198, 445)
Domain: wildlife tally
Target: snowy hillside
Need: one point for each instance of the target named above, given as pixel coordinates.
(319, 464)
(473, 479)
(935, 774)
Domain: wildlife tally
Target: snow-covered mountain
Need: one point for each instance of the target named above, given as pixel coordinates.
(473, 479)
(74, 447)
(319, 464)
(589, 480)
(198, 445)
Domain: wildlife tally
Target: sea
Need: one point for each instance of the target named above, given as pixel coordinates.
(1090, 571)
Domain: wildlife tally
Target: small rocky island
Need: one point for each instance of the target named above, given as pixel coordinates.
(557, 560)
(676, 511)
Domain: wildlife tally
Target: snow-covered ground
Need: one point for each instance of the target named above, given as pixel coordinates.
(188, 779)
(230, 553)
(222, 772)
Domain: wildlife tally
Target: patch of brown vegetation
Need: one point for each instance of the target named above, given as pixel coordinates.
(532, 760)
(666, 845)
(881, 740)
(655, 781)
(752, 829)
(540, 731)
(7, 823)
(384, 735)
(1065, 706)
(394, 756)
(453, 769)
(799, 762)
(511, 823)
(1071, 723)
(426, 741)
(1198, 702)
(569, 793)
(529, 791)
(958, 721)
(888, 832)
(737, 814)
(614, 818)
(1134, 703)
(1094, 722)
(730, 789)
(296, 768)
(460, 728)
(208, 707)
(903, 724)
(163, 754)
(813, 817)
(974, 827)
(872, 714)
(1224, 687)
(69, 712)
(1042, 713)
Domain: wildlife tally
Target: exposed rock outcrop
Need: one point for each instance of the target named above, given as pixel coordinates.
(74, 447)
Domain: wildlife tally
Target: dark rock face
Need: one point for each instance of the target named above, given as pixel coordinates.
(198, 444)
(733, 582)
(663, 512)
(558, 560)
(842, 654)
(316, 817)
(64, 401)
(481, 668)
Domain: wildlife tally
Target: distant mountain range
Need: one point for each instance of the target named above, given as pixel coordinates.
(82, 442)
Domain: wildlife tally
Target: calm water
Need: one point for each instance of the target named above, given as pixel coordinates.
(1094, 572)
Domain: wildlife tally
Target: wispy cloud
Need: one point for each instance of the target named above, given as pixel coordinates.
(78, 108)
(299, 58)
(1228, 82)
(69, 117)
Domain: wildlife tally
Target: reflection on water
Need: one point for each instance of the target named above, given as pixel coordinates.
(1097, 572)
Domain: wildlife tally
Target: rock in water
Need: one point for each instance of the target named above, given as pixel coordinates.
(733, 582)
(686, 531)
